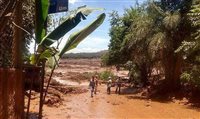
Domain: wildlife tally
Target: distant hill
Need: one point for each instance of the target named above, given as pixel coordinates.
(85, 55)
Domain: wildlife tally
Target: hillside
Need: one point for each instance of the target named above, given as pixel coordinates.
(85, 55)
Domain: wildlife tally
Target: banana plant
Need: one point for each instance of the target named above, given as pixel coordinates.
(44, 50)
(72, 21)
(72, 42)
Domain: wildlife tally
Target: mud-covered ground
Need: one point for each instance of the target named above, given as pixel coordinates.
(69, 98)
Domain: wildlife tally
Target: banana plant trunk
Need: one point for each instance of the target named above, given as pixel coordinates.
(42, 90)
(48, 82)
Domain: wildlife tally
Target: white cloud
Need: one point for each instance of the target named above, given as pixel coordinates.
(85, 50)
(94, 42)
(72, 1)
(90, 44)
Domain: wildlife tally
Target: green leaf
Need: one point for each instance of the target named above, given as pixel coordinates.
(71, 22)
(52, 61)
(46, 54)
(32, 59)
(50, 52)
(87, 10)
(77, 37)
(42, 7)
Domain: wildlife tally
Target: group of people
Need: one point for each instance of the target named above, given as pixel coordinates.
(94, 84)
(117, 84)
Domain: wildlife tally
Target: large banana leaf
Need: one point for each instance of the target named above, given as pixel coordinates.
(87, 10)
(42, 7)
(67, 25)
(77, 37)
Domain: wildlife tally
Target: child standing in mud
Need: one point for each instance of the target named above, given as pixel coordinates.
(92, 85)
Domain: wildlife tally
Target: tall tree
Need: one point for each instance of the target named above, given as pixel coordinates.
(176, 27)
(116, 33)
(153, 33)
(190, 48)
(137, 40)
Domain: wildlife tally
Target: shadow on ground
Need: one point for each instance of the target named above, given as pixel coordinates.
(191, 100)
(33, 115)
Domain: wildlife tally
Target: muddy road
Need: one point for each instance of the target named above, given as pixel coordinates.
(114, 106)
(103, 106)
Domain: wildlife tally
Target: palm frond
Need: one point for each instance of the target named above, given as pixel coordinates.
(157, 41)
(194, 16)
(172, 20)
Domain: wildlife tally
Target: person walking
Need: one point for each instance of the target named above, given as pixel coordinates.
(109, 84)
(92, 85)
(118, 86)
(96, 84)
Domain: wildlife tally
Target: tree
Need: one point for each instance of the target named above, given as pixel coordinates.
(129, 40)
(117, 31)
(28, 24)
(137, 40)
(190, 48)
(153, 33)
(176, 27)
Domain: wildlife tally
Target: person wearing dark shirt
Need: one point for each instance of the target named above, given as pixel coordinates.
(92, 85)
(96, 84)
(118, 86)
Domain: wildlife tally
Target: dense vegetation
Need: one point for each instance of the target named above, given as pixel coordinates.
(158, 39)
(7, 29)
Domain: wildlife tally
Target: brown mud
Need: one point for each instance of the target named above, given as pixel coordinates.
(74, 101)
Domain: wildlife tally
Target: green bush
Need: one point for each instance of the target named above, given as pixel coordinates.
(134, 73)
(105, 74)
(185, 77)
(192, 76)
(105, 59)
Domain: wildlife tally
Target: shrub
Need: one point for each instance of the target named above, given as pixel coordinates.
(105, 74)
(192, 76)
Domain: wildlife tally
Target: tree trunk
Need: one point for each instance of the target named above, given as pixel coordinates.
(144, 74)
(172, 66)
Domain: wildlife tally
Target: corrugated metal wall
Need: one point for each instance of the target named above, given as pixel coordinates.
(11, 94)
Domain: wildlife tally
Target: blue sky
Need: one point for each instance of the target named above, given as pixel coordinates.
(99, 39)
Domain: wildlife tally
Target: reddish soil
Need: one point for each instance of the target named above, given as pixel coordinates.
(115, 106)
(77, 103)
